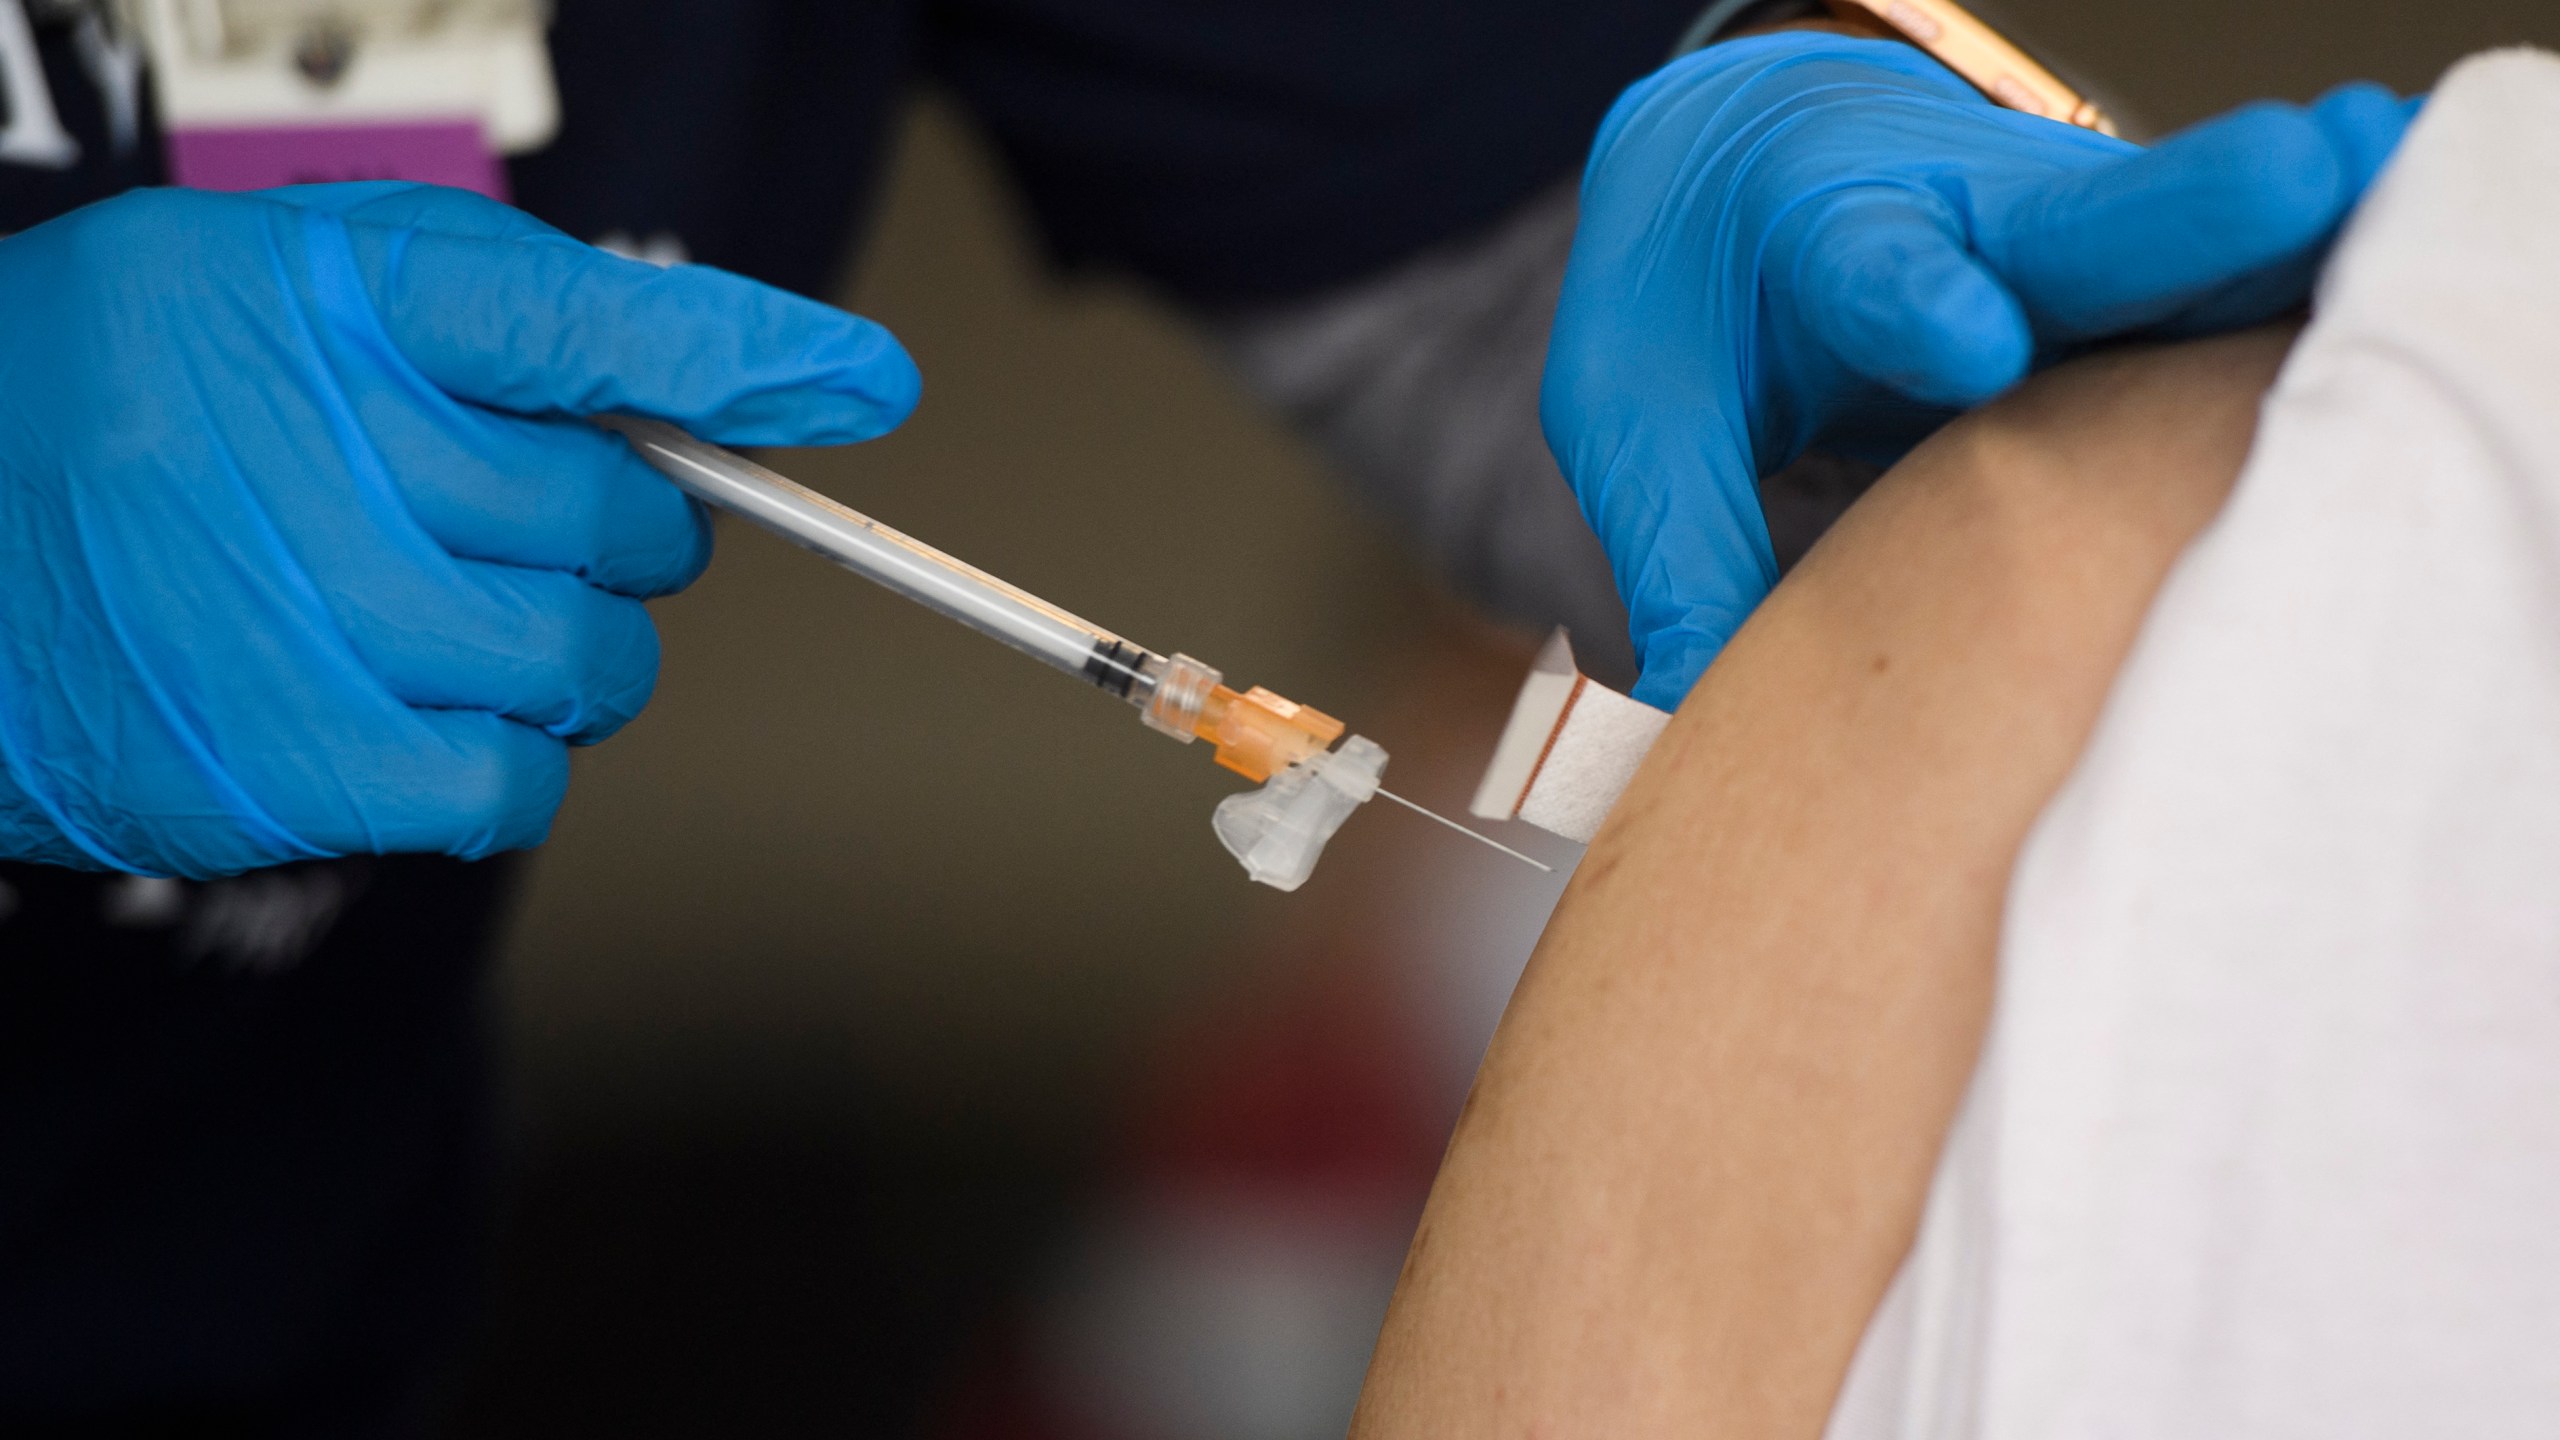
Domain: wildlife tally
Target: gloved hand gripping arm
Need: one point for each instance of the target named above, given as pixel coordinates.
(302, 550)
(1801, 238)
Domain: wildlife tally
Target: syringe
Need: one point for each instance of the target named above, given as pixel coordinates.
(1257, 733)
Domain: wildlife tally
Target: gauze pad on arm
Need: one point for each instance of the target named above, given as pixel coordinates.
(1568, 751)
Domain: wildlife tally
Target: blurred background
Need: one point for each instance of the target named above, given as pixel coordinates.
(894, 1050)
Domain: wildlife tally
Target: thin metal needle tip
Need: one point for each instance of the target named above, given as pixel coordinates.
(1463, 830)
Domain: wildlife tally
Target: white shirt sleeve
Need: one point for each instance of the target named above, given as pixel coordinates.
(2266, 1137)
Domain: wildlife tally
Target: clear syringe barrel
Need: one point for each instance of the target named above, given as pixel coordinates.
(952, 587)
(1257, 733)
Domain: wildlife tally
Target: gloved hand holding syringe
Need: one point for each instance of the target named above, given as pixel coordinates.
(1309, 787)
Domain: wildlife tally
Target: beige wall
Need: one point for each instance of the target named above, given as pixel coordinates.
(2176, 61)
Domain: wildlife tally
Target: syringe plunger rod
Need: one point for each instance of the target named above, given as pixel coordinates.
(1257, 732)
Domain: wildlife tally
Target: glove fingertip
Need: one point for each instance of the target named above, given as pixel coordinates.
(1665, 689)
(846, 380)
(2283, 176)
(621, 676)
(657, 547)
(1983, 343)
(500, 786)
(2364, 123)
(1674, 659)
(1925, 319)
(879, 379)
(695, 561)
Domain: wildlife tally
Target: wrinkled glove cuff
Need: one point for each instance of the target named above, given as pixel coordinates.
(28, 834)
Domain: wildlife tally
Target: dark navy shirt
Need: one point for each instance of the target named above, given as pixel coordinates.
(1221, 149)
(243, 1125)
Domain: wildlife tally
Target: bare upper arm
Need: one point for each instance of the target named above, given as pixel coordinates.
(1699, 1145)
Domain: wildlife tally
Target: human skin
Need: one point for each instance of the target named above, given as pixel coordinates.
(1700, 1142)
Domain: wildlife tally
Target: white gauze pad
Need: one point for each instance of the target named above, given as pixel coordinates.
(1568, 751)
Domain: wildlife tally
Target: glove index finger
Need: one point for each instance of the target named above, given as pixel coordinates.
(2133, 242)
(544, 325)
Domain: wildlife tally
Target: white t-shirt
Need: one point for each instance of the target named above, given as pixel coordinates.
(2266, 1137)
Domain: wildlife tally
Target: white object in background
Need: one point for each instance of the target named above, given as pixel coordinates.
(2265, 1140)
(261, 63)
(31, 130)
(144, 902)
(1568, 751)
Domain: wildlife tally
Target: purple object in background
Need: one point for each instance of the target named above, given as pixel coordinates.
(434, 152)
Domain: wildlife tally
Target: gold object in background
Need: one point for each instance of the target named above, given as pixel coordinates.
(1979, 53)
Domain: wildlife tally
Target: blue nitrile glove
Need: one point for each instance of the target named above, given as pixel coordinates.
(1803, 238)
(300, 553)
